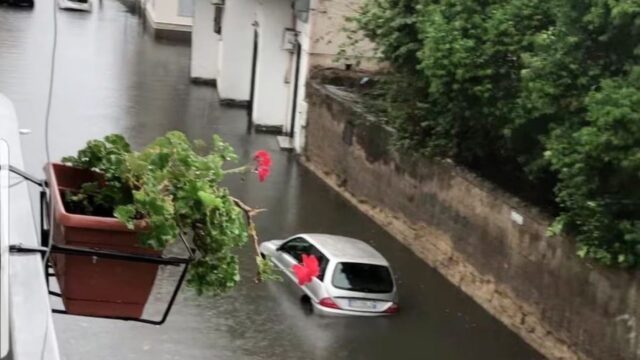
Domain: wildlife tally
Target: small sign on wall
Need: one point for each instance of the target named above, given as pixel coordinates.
(517, 218)
(289, 40)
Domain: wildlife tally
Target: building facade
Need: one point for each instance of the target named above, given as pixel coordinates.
(264, 52)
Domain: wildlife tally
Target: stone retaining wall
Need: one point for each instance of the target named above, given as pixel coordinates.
(488, 243)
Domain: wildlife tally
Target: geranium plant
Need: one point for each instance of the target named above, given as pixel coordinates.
(173, 186)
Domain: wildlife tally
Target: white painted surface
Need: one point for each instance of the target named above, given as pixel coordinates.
(4, 248)
(234, 80)
(163, 14)
(516, 217)
(32, 332)
(300, 123)
(204, 42)
(274, 64)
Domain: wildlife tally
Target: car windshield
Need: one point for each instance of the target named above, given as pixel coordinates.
(366, 278)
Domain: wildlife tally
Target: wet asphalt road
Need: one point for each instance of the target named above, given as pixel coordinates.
(112, 76)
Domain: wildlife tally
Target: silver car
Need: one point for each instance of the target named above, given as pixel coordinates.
(354, 278)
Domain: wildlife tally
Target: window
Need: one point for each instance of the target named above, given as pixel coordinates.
(301, 9)
(366, 278)
(299, 246)
(296, 247)
(217, 18)
(185, 8)
(322, 261)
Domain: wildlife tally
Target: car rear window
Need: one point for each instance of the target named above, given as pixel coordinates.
(366, 278)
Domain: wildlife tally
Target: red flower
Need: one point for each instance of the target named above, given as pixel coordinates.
(263, 161)
(308, 270)
(263, 158)
(263, 173)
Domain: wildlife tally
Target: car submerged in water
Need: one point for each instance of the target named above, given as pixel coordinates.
(353, 278)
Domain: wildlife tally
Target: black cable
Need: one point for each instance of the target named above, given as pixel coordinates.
(54, 49)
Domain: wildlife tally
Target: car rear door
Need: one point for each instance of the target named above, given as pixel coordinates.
(316, 288)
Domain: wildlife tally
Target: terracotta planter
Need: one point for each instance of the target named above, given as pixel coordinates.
(90, 285)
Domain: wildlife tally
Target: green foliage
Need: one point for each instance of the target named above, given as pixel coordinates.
(267, 270)
(599, 171)
(170, 186)
(542, 91)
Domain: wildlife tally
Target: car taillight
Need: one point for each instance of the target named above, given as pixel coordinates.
(394, 308)
(329, 303)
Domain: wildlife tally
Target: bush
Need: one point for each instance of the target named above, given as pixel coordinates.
(535, 90)
(598, 163)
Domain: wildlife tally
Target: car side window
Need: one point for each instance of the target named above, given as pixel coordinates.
(296, 247)
(299, 246)
(323, 261)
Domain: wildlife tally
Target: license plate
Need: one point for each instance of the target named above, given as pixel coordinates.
(362, 304)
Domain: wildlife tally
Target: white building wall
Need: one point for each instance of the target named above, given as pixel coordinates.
(163, 14)
(297, 133)
(274, 64)
(204, 42)
(236, 50)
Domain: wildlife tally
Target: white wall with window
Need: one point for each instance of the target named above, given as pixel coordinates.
(274, 63)
(204, 41)
(236, 50)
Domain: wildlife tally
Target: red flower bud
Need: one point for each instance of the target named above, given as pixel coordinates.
(263, 161)
(263, 173)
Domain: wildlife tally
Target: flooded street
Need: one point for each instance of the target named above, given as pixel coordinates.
(113, 76)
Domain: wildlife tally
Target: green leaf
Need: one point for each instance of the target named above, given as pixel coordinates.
(126, 214)
(208, 200)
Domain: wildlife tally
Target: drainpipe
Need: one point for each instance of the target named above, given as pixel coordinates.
(296, 84)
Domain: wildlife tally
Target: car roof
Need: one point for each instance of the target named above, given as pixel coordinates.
(345, 249)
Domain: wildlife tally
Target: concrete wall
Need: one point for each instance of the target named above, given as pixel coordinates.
(163, 15)
(327, 21)
(204, 43)
(488, 243)
(321, 38)
(274, 65)
(234, 80)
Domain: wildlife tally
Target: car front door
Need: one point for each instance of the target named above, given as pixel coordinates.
(290, 253)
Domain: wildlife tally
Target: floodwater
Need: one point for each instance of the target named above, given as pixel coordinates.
(112, 76)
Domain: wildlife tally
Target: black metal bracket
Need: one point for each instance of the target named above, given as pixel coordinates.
(47, 248)
(116, 255)
(27, 249)
(30, 178)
